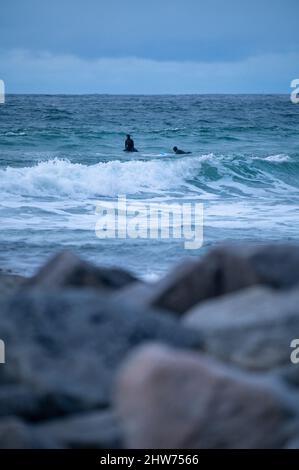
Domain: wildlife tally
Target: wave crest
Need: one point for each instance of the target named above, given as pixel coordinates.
(61, 178)
(207, 175)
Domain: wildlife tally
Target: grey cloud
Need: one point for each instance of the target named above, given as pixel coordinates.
(26, 72)
(199, 30)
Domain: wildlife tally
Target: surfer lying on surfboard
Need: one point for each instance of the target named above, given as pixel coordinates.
(129, 145)
(180, 152)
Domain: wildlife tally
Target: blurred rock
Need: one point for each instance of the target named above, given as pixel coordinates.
(138, 293)
(293, 444)
(68, 270)
(252, 328)
(34, 403)
(95, 430)
(20, 400)
(289, 374)
(63, 347)
(169, 399)
(14, 434)
(9, 283)
(224, 270)
(68, 330)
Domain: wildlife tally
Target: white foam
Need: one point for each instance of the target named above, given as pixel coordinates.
(61, 178)
(278, 158)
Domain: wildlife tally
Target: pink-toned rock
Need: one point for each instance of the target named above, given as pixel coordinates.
(68, 270)
(167, 398)
(223, 270)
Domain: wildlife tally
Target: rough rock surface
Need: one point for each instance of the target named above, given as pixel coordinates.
(68, 270)
(9, 283)
(63, 347)
(252, 328)
(15, 434)
(293, 444)
(73, 328)
(224, 270)
(172, 399)
(94, 430)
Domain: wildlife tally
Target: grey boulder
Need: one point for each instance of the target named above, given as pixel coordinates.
(15, 434)
(253, 328)
(171, 399)
(93, 430)
(223, 270)
(63, 348)
(9, 283)
(68, 270)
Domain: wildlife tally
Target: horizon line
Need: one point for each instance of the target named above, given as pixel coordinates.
(152, 94)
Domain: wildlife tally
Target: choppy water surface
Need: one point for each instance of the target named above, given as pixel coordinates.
(59, 155)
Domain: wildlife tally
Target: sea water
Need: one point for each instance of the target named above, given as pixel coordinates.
(60, 155)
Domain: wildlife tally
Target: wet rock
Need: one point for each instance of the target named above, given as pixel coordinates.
(63, 347)
(181, 400)
(9, 283)
(224, 270)
(33, 403)
(138, 293)
(289, 374)
(95, 430)
(68, 270)
(15, 434)
(252, 328)
(293, 444)
(19, 400)
(276, 265)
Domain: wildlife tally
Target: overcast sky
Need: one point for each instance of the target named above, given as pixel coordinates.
(149, 46)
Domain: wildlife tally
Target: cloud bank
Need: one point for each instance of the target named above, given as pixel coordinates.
(43, 72)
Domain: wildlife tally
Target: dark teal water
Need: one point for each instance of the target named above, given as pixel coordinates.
(59, 155)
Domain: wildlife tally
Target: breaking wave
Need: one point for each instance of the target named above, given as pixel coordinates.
(203, 174)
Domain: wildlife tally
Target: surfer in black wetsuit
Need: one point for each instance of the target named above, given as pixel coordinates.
(129, 145)
(180, 152)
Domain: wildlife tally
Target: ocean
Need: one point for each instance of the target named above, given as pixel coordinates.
(60, 155)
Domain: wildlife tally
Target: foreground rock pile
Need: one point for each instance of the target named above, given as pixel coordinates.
(95, 358)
